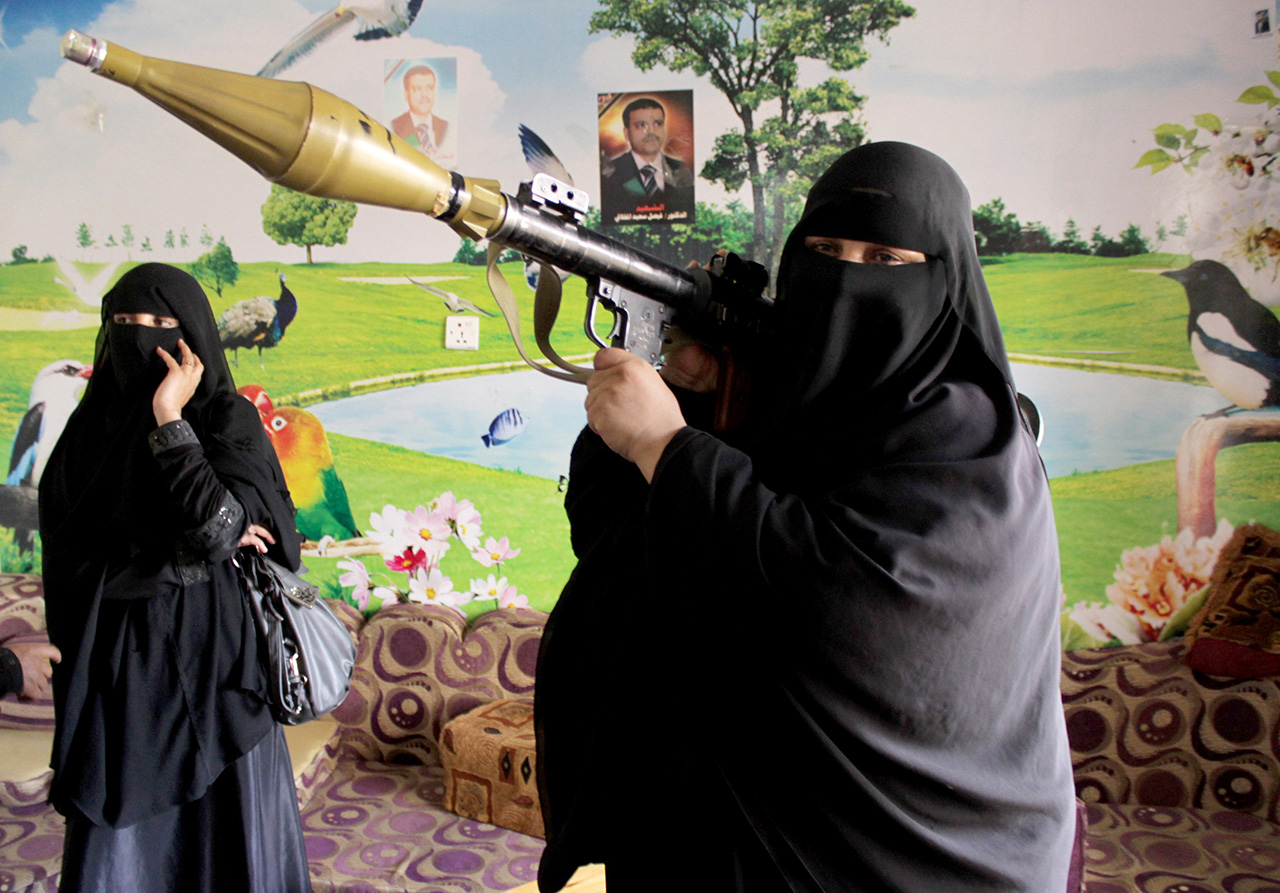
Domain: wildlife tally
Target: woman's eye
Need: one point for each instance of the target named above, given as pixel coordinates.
(164, 322)
(886, 258)
(826, 248)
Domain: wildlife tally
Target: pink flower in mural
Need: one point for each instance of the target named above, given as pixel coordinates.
(417, 544)
(495, 552)
(356, 576)
(466, 525)
(1153, 582)
(408, 561)
(429, 531)
(511, 599)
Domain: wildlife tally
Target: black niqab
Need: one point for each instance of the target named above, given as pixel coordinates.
(865, 692)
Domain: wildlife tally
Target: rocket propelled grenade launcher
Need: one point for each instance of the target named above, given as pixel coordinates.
(311, 141)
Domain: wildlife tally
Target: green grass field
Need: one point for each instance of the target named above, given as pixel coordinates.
(1051, 305)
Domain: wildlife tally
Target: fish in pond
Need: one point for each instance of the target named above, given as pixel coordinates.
(507, 425)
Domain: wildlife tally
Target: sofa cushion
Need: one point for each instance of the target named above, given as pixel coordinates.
(1145, 729)
(1131, 847)
(378, 827)
(25, 775)
(420, 666)
(490, 758)
(22, 620)
(1237, 632)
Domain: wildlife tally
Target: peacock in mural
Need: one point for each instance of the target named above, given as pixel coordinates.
(257, 322)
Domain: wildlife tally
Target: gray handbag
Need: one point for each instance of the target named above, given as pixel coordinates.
(308, 653)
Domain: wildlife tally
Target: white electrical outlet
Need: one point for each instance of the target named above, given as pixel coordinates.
(462, 332)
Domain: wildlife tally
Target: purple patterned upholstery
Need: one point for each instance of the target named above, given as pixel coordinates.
(1154, 849)
(1147, 730)
(381, 827)
(1180, 771)
(419, 667)
(30, 849)
(22, 620)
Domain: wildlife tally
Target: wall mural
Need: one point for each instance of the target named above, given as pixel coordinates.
(1120, 159)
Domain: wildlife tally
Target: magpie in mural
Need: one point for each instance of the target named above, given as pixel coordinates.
(55, 392)
(377, 18)
(1234, 339)
(455, 303)
(302, 446)
(257, 322)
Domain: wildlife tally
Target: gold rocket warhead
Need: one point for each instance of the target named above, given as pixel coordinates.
(299, 136)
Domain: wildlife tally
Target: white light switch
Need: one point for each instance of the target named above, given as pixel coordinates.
(462, 332)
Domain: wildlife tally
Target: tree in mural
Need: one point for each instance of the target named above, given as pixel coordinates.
(730, 227)
(84, 238)
(294, 218)
(750, 51)
(216, 268)
(1071, 241)
(1234, 161)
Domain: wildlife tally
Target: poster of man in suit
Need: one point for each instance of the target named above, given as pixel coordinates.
(422, 95)
(646, 157)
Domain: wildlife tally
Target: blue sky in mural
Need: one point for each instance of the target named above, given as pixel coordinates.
(1045, 104)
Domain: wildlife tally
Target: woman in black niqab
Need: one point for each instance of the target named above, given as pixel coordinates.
(864, 695)
(167, 764)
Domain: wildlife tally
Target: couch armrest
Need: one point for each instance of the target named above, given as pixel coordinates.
(1146, 729)
(420, 666)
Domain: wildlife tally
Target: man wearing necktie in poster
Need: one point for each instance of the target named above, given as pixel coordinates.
(645, 184)
(419, 126)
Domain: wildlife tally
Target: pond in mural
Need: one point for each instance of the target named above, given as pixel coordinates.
(1139, 420)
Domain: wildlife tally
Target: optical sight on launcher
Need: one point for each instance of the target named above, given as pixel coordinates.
(311, 141)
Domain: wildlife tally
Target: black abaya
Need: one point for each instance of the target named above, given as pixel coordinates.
(160, 697)
(864, 696)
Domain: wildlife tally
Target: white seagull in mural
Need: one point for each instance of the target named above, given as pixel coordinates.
(541, 160)
(378, 18)
(455, 303)
(89, 291)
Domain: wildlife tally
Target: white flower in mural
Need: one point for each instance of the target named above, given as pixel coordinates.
(1107, 622)
(434, 588)
(388, 531)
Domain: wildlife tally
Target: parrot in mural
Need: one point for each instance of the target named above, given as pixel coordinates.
(1235, 340)
(303, 449)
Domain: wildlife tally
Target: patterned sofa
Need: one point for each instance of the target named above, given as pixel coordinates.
(1180, 773)
(370, 782)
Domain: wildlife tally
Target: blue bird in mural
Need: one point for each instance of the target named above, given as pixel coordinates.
(1235, 340)
(504, 427)
(378, 19)
(257, 322)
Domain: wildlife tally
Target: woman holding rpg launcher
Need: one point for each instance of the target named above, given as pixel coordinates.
(859, 691)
